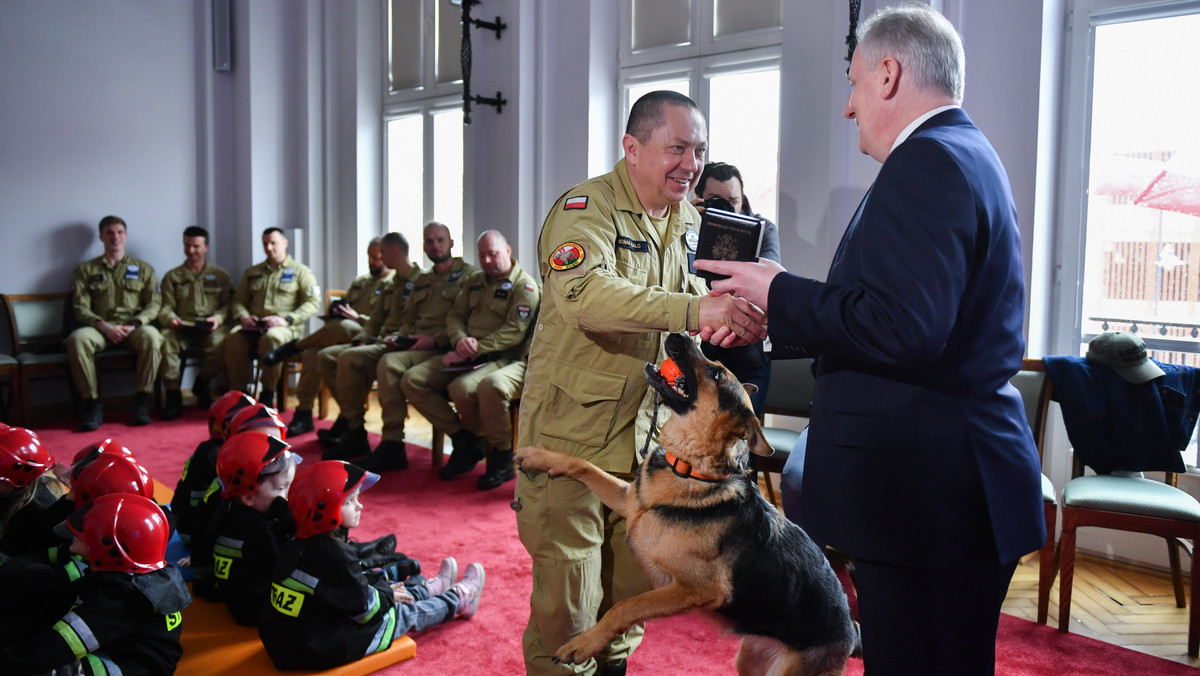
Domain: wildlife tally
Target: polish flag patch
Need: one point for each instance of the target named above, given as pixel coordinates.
(576, 202)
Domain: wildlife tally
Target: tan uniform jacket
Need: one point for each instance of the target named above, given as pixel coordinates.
(193, 296)
(116, 294)
(289, 291)
(612, 283)
(433, 295)
(365, 290)
(391, 304)
(496, 313)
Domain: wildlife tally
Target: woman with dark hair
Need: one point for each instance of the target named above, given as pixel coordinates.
(749, 363)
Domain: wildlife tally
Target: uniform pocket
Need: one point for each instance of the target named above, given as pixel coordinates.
(583, 403)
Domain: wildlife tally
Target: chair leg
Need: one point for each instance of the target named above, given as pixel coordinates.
(1193, 645)
(1046, 564)
(1176, 572)
(439, 447)
(323, 403)
(1066, 573)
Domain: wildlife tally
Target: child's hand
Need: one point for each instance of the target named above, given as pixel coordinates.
(400, 594)
(185, 562)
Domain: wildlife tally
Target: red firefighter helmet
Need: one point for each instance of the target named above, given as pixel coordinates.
(317, 494)
(223, 408)
(110, 474)
(122, 532)
(23, 458)
(90, 452)
(245, 458)
(256, 416)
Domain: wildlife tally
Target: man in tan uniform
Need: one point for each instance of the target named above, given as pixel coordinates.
(394, 250)
(116, 298)
(488, 325)
(270, 305)
(614, 264)
(195, 306)
(418, 334)
(344, 324)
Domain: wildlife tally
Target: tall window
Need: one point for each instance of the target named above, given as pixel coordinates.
(1140, 220)
(725, 55)
(424, 122)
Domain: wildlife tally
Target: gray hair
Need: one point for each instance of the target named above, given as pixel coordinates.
(922, 40)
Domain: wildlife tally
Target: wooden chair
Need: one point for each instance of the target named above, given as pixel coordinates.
(790, 394)
(1035, 389)
(439, 438)
(38, 323)
(1134, 504)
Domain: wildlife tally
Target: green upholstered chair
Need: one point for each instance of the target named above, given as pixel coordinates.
(790, 394)
(37, 323)
(1034, 386)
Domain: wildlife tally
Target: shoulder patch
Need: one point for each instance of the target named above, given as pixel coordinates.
(567, 256)
(575, 203)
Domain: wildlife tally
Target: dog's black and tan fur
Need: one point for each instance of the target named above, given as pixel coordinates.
(707, 539)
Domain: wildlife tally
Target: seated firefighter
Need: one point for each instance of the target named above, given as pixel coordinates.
(270, 306)
(346, 321)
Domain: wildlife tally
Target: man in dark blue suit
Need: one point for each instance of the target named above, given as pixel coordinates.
(919, 462)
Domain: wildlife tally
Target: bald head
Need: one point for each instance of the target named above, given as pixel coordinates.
(495, 255)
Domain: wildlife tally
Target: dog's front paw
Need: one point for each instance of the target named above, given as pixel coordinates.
(537, 459)
(581, 648)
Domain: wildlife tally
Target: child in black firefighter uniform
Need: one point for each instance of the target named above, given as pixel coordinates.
(324, 609)
(200, 469)
(126, 617)
(29, 494)
(253, 521)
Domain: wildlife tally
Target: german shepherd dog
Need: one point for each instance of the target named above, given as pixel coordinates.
(707, 539)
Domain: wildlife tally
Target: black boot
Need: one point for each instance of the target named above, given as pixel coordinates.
(92, 414)
(140, 409)
(280, 354)
(330, 438)
(174, 406)
(613, 668)
(354, 444)
(468, 451)
(499, 470)
(200, 390)
(302, 422)
(387, 456)
(383, 545)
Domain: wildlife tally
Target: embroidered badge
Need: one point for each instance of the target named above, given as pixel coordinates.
(506, 285)
(524, 312)
(408, 287)
(289, 275)
(501, 293)
(530, 287)
(131, 271)
(569, 255)
(454, 276)
(575, 203)
(691, 238)
(640, 246)
(212, 276)
(95, 278)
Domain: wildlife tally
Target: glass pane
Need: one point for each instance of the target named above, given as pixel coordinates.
(743, 130)
(405, 38)
(661, 23)
(1142, 235)
(736, 16)
(449, 42)
(448, 173)
(405, 153)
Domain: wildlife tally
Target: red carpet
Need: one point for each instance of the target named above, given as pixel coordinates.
(433, 519)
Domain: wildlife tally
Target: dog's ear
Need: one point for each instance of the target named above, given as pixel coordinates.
(756, 440)
(751, 388)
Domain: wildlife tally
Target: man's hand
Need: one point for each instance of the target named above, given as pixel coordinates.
(248, 322)
(274, 320)
(467, 348)
(175, 323)
(751, 281)
(744, 321)
(452, 358)
(346, 311)
(215, 320)
(117, 332)
(424, 342)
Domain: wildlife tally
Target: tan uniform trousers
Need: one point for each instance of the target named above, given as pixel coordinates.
(495, 396)
(581, 568)
(334, 332)
(327, 368)
(176, 341)
(240, 345)
(355, 372)
(426, 387)
(85, 342)
(393, 406)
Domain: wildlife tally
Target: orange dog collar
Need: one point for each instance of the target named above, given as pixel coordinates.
(683, 469)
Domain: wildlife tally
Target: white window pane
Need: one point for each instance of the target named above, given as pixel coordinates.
(1142, 233)
(405, 161)
(449, 42)
(635, 92)
(661, 23)
(736, 16)
(405, 38)
(448, 173)
(743, 130)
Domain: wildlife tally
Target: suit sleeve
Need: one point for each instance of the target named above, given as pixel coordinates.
(892, 296)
